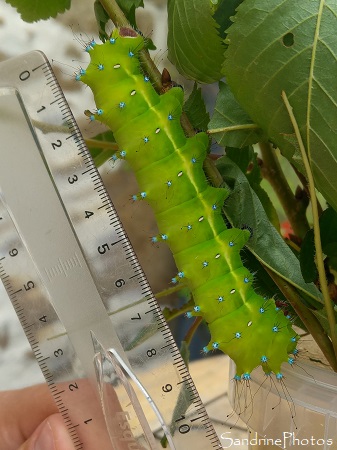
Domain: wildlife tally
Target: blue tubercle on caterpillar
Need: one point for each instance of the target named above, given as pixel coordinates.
(169, 170)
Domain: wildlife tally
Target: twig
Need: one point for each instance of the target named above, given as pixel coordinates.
(248, 126)
(171, 290)
(117, 16)
(304, 182)
(295, 209)
(115, 13)
(193, 328)
(317, 235)
(95, 143)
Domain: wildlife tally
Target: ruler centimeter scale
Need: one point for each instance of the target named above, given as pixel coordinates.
(75, 282)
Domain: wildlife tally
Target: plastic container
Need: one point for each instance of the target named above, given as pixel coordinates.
(300, 411)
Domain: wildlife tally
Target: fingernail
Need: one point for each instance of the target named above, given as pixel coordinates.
(45, 439)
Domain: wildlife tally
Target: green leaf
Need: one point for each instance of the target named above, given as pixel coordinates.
(282, 45)
(224, 13)
(243, 208)
(128, 5)
(34, 10)
(235, 127)
(267, 205)
(195, 109)
(328, 227)
(102, 19)
(194, 44)
(323, 319)
(242, 157)
(246, 160)
(307, 258)
(265, 286)
(129, 9)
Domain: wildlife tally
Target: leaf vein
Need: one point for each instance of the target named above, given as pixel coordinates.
(311, 73)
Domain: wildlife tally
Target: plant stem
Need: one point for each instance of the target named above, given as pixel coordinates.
(193, 328)
(304, 182)
(272, 171)
(178, 312)
(151, 69)
(248, 126)
(212, 173)
(117, 16)
(169, 291)
(308, 318)
(317, 234)
(95, 143)
(115, 13)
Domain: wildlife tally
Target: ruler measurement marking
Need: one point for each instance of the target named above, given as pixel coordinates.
(66, 118)
(116, 242)
(38, 67)
(104, 205)
(41, 359)
(86, 171)
(133, 276)
(19, 290)
(167, 345)
(149, 311)
(71, 136)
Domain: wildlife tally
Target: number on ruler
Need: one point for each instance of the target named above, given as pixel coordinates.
(88, 214)
(167, 388)
(183, 428)
(29, 285)
(151, 352)
(120, 282)
(24, 75)
(72, 179)
(136, 318)
(56, 144)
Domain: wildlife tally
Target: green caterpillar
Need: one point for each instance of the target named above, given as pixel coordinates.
(169, 170)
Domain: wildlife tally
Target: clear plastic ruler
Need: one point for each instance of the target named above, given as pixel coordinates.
(76, 285)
